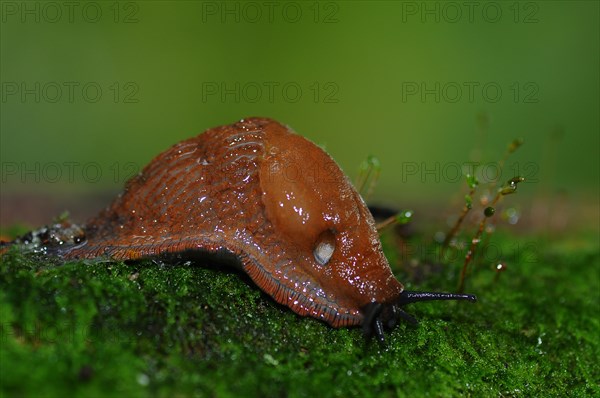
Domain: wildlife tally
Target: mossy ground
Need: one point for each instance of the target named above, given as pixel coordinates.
(148, 329)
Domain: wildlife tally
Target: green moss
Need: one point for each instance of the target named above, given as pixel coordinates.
(148, 329)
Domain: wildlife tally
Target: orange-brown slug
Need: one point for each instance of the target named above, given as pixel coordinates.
(276, 202)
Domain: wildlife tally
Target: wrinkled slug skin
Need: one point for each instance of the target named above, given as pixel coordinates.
(266, 195)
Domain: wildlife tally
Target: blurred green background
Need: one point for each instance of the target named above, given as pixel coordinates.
(91, 91)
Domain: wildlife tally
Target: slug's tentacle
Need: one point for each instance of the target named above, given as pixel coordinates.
(372, 323)
(407, 297)
(377, 314)
(406, 316)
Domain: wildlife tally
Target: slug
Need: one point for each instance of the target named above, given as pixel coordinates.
(274, 201)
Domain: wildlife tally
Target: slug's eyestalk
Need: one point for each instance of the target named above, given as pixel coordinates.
(407, 297)
(380, 316)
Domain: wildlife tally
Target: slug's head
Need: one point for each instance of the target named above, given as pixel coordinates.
(329, 234)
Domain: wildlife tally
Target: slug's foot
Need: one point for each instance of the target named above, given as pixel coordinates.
(379, 317)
